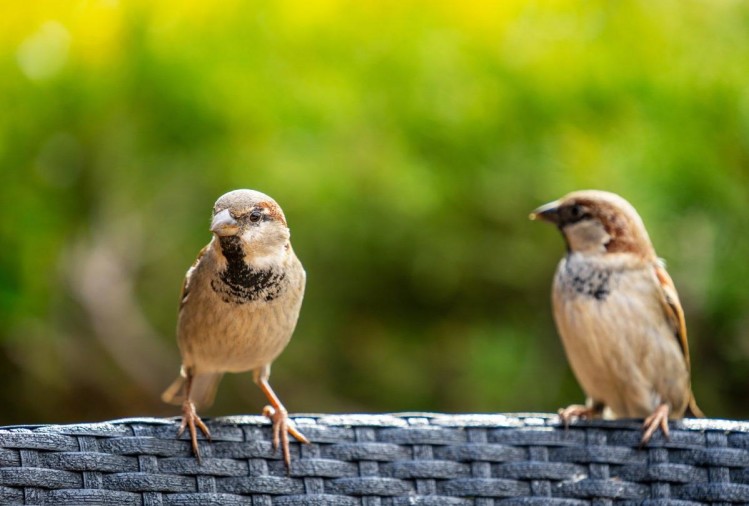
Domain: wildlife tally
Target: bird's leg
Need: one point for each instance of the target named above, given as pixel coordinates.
(591, 410)
(659, 418)
(190, 418)
(279, 416)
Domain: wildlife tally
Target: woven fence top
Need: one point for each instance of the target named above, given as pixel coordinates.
(401, 459)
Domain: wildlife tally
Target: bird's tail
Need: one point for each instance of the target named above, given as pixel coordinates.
(693, 410)
(203, 390)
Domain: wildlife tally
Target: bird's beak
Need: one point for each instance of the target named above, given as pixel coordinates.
(224, 225)
(547, 212)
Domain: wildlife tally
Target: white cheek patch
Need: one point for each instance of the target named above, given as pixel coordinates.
(264, 245)
(587, 236)
(264, 262)
(248, 235)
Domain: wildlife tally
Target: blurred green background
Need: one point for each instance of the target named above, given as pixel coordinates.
(406, 141)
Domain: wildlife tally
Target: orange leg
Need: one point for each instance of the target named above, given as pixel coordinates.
(190, 418)
(280, 418)
(659, 418)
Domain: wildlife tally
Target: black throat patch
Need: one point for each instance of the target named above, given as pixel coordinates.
(589, 282)
(239, 283)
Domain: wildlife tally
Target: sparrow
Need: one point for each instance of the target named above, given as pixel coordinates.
(239, 306)
(618, 314)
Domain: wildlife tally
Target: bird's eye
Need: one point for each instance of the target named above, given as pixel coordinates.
(573, 213)
(255, 216)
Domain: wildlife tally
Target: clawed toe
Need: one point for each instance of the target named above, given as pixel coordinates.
(659, 419)
(576, 411)
(191, 421)
(281, 430)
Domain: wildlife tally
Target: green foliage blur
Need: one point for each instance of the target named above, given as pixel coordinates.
(407, 142)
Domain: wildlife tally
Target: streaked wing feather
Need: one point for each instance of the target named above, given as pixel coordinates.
(185, 292)
(674, 312)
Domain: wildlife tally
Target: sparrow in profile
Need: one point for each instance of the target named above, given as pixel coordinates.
(618, 314)
(240, 304)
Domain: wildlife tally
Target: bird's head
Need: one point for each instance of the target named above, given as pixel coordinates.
(597, 222)
(252, 218)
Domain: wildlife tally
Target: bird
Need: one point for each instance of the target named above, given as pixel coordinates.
(239, 306)
(618, 314)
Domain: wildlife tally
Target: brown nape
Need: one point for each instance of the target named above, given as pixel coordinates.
(626, 236)
(273, 211)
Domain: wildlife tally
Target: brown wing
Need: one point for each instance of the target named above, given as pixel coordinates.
(675, 314)
(185, 292)
(672, 307)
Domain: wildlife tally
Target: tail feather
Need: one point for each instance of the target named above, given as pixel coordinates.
(694, 411)
(203, 392)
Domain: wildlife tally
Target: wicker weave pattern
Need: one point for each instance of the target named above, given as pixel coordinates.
(407, 459)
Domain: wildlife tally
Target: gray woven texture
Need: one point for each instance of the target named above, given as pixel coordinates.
(403, 459)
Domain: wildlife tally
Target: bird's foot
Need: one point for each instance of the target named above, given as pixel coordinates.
(191, 420)
(659, 418)
(281, 430)
(577, 411)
